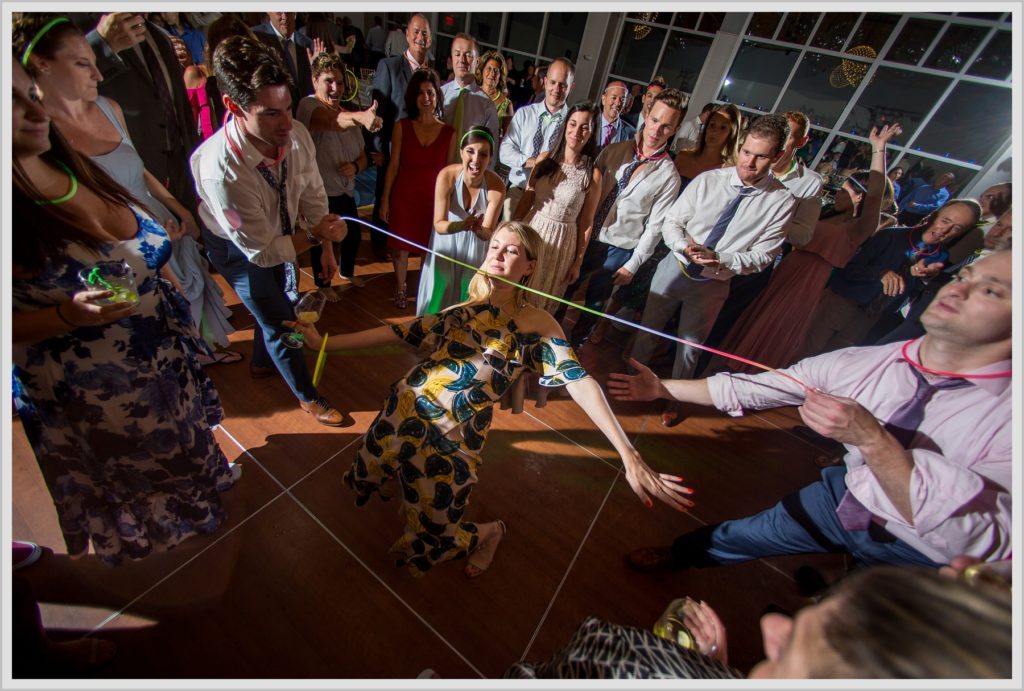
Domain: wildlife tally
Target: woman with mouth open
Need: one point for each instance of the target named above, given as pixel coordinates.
(467, 204)
(434, 423)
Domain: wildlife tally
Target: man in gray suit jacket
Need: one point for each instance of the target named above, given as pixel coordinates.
(279, 33)
(389, 83)
(157, 111)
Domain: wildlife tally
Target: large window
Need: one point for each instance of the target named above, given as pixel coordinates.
(662, 44)
(757, 75)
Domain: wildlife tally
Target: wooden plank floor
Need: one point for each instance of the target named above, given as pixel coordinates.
(298, 584)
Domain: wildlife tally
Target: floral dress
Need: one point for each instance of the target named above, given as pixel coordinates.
(120, 416)
(435, 421)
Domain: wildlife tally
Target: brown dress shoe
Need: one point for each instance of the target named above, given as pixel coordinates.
(323, 412)
(261, 372)
(647, 559)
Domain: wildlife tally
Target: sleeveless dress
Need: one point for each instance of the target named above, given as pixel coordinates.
(434, 423)
(121, 416)
(773, 328)
(442, 283)
(558, 199)
(205, 298)
(412, 195)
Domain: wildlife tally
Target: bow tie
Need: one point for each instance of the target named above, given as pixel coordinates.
(550, 117)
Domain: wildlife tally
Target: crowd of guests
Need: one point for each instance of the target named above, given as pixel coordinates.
(180, 144)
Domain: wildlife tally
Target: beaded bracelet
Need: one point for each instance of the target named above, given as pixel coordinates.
(65, 319)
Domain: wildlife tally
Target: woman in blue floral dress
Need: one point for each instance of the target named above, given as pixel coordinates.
(115, 406)
(432, 429)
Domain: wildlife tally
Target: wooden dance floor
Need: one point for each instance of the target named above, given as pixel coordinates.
(298, 583)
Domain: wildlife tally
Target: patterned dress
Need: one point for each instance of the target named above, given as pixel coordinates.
(120, 416)
(435, 421)
(558, 199)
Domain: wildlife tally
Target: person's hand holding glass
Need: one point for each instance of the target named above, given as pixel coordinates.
(307, 310)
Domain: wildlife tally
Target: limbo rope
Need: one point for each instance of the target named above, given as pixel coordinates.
(583, 308)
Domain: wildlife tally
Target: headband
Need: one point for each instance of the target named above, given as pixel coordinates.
(482, 133)
(42, 32)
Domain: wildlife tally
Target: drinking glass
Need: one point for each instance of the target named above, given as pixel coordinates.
(115, 276)
(308, 310)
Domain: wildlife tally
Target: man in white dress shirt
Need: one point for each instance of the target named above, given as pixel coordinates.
(613, 128)
(689, 133)
(254, 177)
(533, 130)
(639, 185)
(726, 222)
(465, 103)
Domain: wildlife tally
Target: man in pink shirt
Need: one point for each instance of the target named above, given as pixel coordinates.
(926, 424)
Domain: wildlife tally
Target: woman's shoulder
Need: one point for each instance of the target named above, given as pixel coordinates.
(494, 182)
(535, 320)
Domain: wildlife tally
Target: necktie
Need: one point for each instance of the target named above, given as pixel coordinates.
(609, 131)
(288, 62)
(170, 115)
(538, 136)
(613, 193)
(460, 111)
(291, 287)
(903, 426)
(720, 227)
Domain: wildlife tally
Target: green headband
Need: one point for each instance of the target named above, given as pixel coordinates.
(42, 32)
(483, 133)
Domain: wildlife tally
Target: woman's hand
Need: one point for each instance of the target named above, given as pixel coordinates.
(347, 169)
(574, 272)
(318, 47)
(642, 386)
(368, 118)
(472, 223)
(707, 630)
(84, 308)
(646, 484)
(880, 137)
(385, 210)
(175, 230)
(310, 336)
(189, 225)
(329, 263)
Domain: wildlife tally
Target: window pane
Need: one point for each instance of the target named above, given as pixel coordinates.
(687, 20)
(815, 139)
(638, 51)
(565, 29)
(684, 57)
(763, 24)
(442, 52)
(991, 16)
(874, 30)
(812, 91)
(956, 47)
(524, 31)
(486, 26)
(451, 22)
(833, 30)
(970, 125)
(913, 41)
(711, 21)
(895, 96)
(996, 60)
(757, 75)
(798, 27)
(916, 166)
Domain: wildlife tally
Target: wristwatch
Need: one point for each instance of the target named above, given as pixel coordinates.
(313, 239)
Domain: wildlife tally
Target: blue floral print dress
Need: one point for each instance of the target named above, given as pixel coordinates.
(121, 416)
(435, 422)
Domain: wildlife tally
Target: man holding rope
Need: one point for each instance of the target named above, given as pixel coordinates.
(915, 489)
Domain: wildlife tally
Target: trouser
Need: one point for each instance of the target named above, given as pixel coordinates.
(346, 250)
(378, 240)
(743, 290)
(804, 522)
(600, 262)
(838, 323)
(697, 302)
(261, 290)
(512, 197)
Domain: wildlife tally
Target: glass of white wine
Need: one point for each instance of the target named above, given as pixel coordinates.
(307, 310)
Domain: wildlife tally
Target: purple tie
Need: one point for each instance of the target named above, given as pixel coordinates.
(609, 131)
(903, 426)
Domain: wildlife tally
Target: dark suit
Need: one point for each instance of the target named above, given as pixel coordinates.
(164, 147)
(303, 85)
(389, 85)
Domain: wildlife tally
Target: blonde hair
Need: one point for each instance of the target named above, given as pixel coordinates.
(480, 286)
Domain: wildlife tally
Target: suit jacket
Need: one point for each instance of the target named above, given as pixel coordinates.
(389, 84)
(126, 80)
(304, 82)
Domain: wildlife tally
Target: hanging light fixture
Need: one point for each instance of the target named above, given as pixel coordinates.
(851, 72)
(641, 31)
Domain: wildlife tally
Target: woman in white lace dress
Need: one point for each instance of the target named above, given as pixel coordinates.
(560, 200)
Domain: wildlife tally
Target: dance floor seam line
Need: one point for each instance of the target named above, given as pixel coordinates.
(287, 491)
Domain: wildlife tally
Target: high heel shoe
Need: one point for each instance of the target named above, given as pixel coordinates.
(481, 557)
(401, 302)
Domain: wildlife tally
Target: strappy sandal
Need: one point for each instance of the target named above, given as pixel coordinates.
(481, 558)
(401, 302)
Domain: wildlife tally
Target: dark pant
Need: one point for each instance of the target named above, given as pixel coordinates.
(804, 522)
(347, 249)
(261, 290)
(600, 263)
(379, 240)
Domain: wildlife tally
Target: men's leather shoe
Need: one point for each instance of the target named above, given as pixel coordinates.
(323, 412)
(261, 372)
(648, 559)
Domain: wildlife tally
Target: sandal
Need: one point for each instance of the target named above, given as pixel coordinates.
(329, 293)
(401, 302)
(353, 281)
(220, 357)
(481, 557)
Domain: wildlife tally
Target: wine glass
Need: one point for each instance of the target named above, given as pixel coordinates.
(308, 310)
